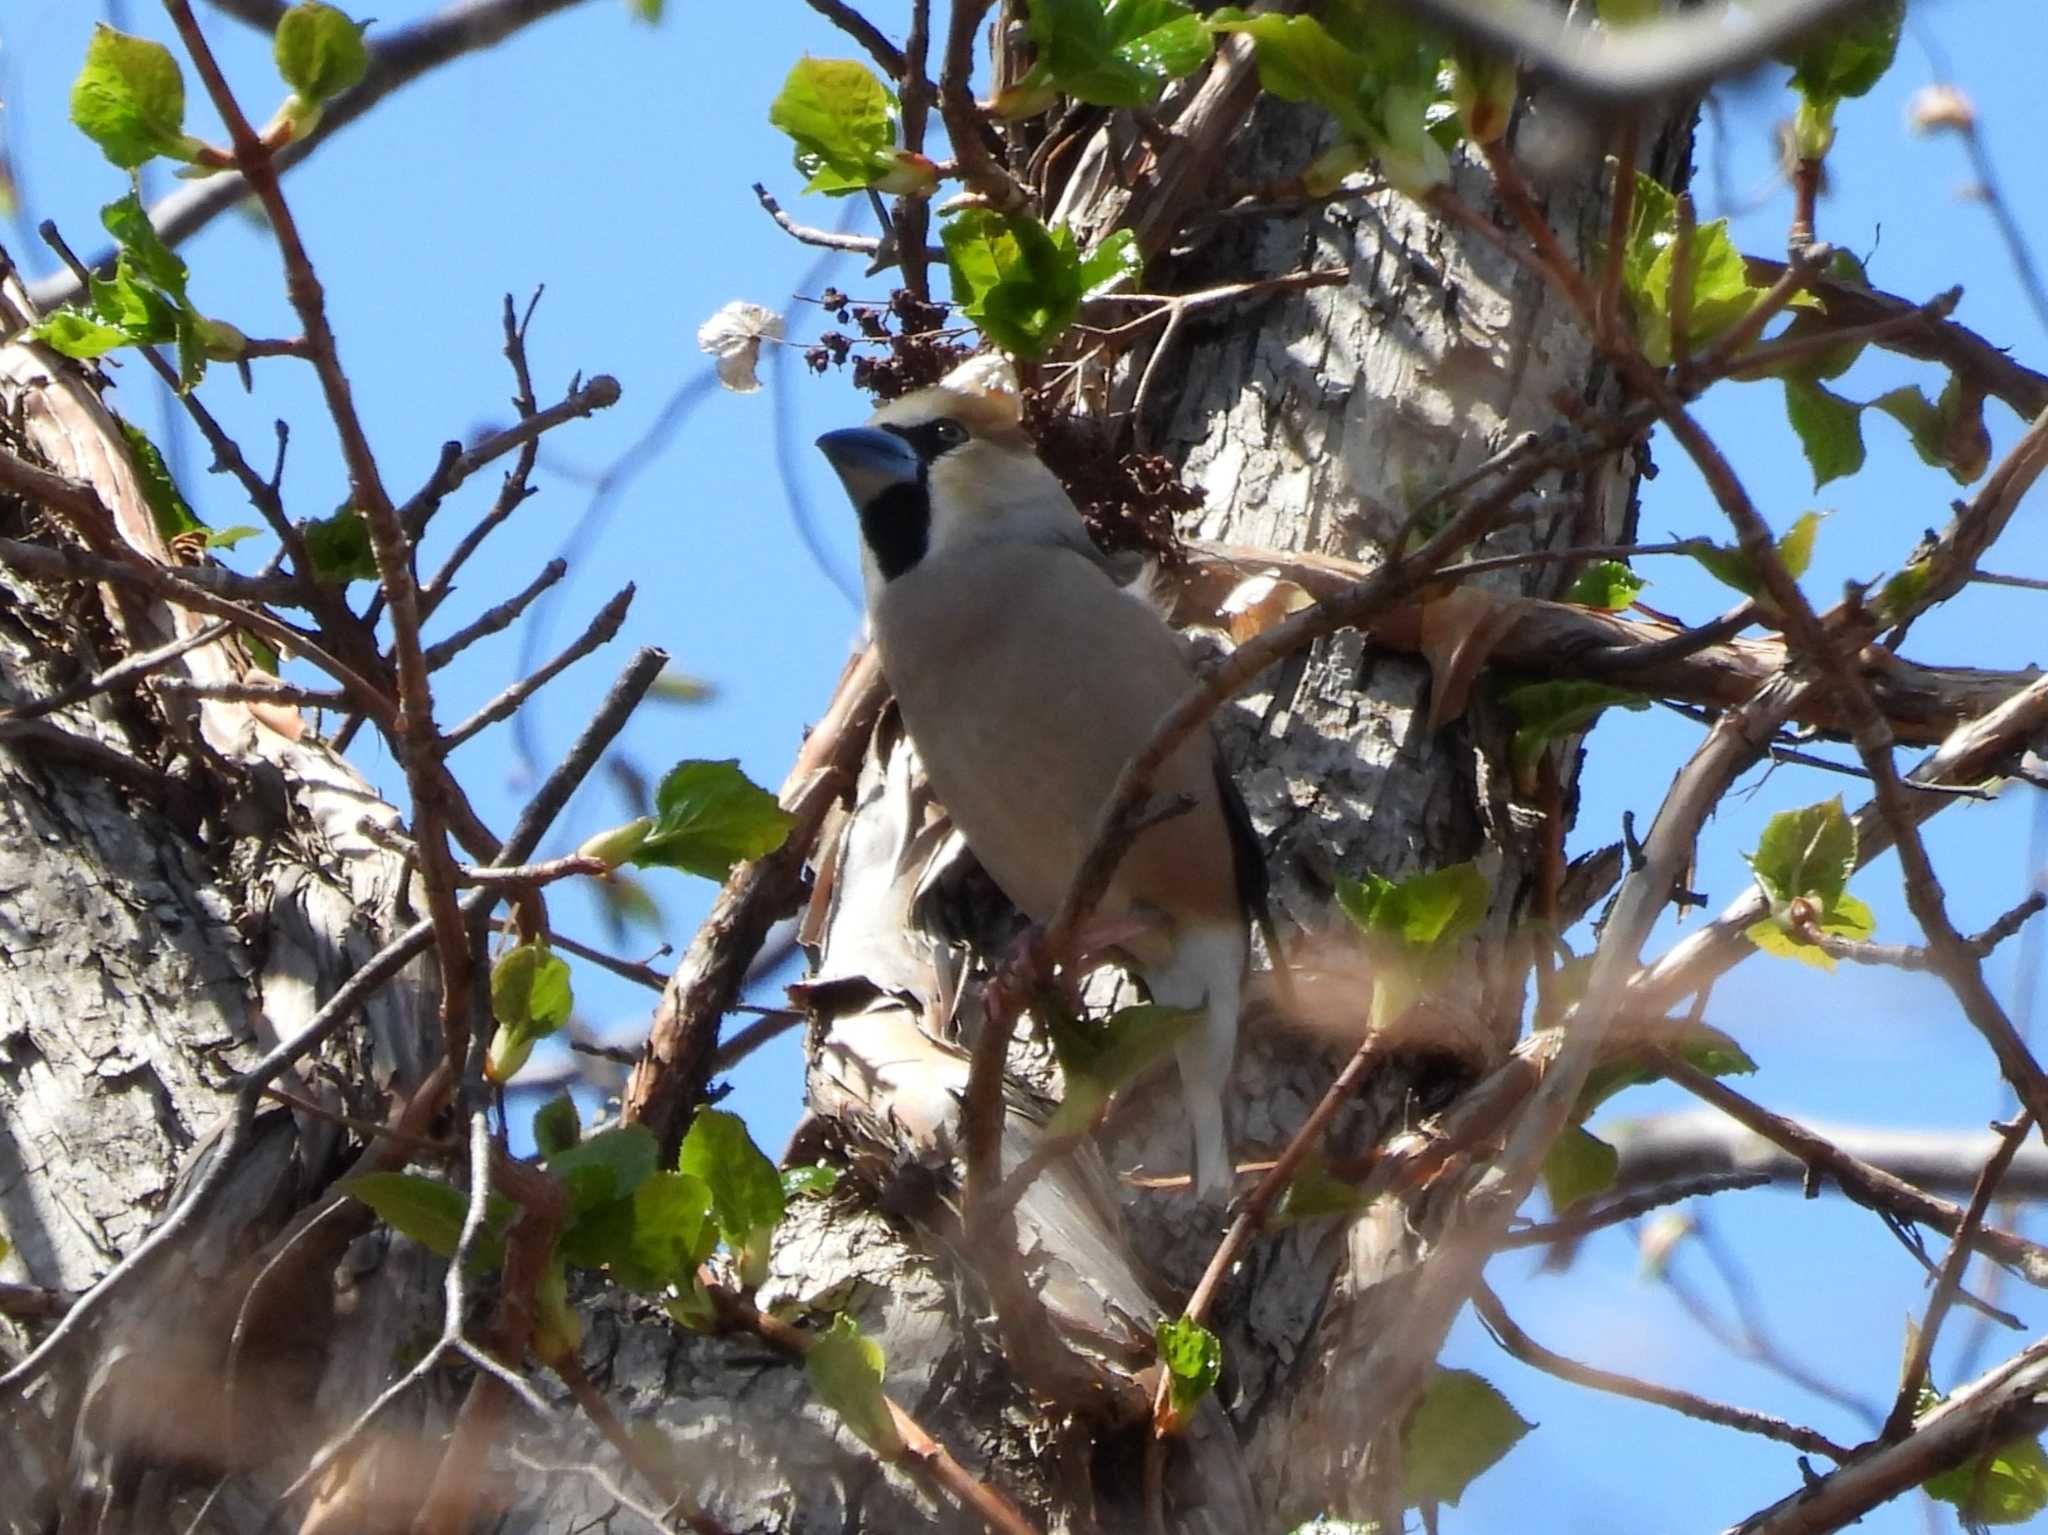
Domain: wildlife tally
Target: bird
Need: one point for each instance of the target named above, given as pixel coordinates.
(1027, 677)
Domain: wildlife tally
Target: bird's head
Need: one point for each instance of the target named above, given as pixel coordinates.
(941, 469)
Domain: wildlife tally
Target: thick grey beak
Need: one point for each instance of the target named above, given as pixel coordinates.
(869, 460)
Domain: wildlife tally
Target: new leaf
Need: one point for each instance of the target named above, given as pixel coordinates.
(710, 816)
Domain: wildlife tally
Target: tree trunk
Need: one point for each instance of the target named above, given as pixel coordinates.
(186, 889)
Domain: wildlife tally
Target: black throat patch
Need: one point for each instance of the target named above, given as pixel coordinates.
(897, 527)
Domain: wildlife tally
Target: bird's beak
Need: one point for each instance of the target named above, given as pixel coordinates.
(869, 460)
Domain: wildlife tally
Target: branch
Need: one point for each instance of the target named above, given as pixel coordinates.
(672, 1074)
(1869, 1186)
(463, 27)
(1999, 1405)
(1949, 1281)
(492, 620)
(920, 1454)
(1525, 1348)
(603, 628)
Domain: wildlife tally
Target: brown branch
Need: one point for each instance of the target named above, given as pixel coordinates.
(1530, 1352)
(1869, 1186)
(179, 589)
(803, 234)
(921, 1454)
(1943, 341)
(124, 673)
(1948, 1283)
(529, 875)
(602, 630)
(582, 400)
(669, 1082)
(1664, 59)
(495, 619)
(1571, 1227)
(1818, 642)
(864, 32)
(2001, 1404)
(412, 733)
(966, 126)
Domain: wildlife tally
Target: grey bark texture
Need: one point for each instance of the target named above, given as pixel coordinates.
(167, 921)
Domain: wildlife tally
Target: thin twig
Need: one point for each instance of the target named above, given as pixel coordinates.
(495, 619)
(121, 674)
(1529, 1351)
(603, 628)
(1913, 1379)
(1871, 1187)
(1571, 1227)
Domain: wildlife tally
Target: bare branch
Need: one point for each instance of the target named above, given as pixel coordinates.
(492, 620)
(601, 631)
(1529, 1351)
(1949, 1281)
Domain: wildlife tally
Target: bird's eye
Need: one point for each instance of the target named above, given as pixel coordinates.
(948, 433)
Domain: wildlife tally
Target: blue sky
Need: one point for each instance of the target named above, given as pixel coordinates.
(611, 162)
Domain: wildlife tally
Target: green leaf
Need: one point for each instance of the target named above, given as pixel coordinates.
(1949, 433)
(1312, 1193)
(1550, 710)
(812, 1182)
(1424, 913)
(339, 547)
(1021, 282)
(1848, 57)
(1626, 13)
(319, 51)
(1373, 72)
(610, 1166)
(845, 1370)
(1905, 592)
(670, 1235)
(1830, 429)
(1848, 918)
(710, 816)
(167, 508)
(1118, 54)
(227, 538)
(648, 11)
(1722, 293)
(1732, 566)
(530, 990)
(73, 334)
(1460, 1428)
(2006, 1485)
(1414, 927)
(1099, 1058)
(1608, 585)
(432, 1213)
(1705, 1048)
(746, 1191)
(556, 1125)
(1579, 1164)
(843, 120)
(1113, 260)
(1809, 852)
(1193, 1357)
(130, 99)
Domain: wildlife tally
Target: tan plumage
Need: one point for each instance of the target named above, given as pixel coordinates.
(1027, 678)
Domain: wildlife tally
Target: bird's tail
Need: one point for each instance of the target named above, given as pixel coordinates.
(1206, 972)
